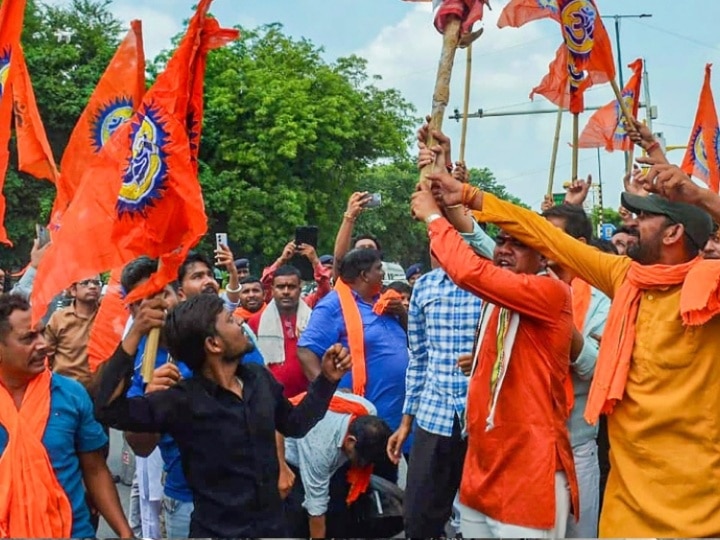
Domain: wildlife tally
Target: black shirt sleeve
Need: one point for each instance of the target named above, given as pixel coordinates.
(296, 420)
(157, 412)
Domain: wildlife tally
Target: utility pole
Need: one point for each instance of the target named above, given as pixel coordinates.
(617, 38)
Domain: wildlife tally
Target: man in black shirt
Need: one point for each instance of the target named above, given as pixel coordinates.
(223, 418)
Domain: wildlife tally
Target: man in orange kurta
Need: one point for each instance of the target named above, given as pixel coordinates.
(658, 370)
(519, 477)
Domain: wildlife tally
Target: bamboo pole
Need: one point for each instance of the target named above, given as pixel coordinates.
(466, 102)
(576, 130)
(553, 157)
(441, 93)
(623, 106)
(150, 355)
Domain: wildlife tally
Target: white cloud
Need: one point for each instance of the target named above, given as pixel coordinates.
(159, 27)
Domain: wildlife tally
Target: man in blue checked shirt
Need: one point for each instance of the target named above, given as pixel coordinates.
(441, 326)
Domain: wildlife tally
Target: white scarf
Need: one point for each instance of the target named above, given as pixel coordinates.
(271, 336)
(508, 344)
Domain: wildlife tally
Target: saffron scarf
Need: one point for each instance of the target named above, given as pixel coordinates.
(245, 314)
(581, 296)
(33, 504)
(355, 332)
(699, 302)
(357, 477)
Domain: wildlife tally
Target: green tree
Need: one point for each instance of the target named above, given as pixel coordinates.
(288, 136)
(67, 48)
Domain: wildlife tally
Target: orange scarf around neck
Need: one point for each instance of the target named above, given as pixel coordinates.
(581, 296)
(245, 314)
(357, 477)
(33, 504)
(355, 334)
(699, 302)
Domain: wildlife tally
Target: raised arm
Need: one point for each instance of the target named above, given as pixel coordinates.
(604, 271)
(343, 240)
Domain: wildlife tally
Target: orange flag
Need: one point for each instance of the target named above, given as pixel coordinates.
(468, 11)
(589, 60)
(11, 21)
(606, 128)
(150, 202)
(701, 158)
(34, 152)
(519, 12)
(114, 100)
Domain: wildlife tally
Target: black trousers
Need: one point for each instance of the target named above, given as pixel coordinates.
(433, 478)
(603, 456)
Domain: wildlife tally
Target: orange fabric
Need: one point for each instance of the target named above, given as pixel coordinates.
(355, 333)
(357, 477)
(699, 302)
(383, 302)
(581, 296)
(605, 127)
(34, 152)
(11, 22)
(468, 11)
(107, 330)
(595, 65)
(519, 12)
(245, 314)
(150, 202)
(33, 504)
(511, 467)
(701, 158)
(116, 96)
(588, 46)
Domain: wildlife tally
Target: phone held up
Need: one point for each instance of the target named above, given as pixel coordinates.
(43, 235)
(374, 201)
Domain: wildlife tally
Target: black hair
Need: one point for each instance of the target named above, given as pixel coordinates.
(367, 237)
(250, 279)
(8, 304)
(357, 261)
(632, 231)
(604, 245)
(189, 325)
(192, 258)
(401, 287)
(287, 270)
(577, 223)
(137, 270)
(372, 434)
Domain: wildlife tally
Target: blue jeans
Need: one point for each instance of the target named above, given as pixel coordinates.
(177, 517)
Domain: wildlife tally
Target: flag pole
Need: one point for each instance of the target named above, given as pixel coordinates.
(466, 103)
(623, 106)
(556, 145)
(441, 93)
(150, 355)
(576, 129)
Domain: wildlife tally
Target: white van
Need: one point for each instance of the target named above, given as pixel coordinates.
(393, 272)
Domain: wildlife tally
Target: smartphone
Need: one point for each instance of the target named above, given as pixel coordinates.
(43, 235)
(307, 234)
(220, 240)
(374, 201)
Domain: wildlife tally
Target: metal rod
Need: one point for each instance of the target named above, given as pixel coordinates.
(481, 114)
(600, 189)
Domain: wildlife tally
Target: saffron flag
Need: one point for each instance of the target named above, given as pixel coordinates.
(606, 128)
(702, 158)
(150, 202)
(34, 152)
(12, 13)
(107, 330)
(114, 100)
(519, 12)
(589, 59)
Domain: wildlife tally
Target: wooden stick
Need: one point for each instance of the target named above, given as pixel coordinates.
(623, 107)
(576, 129)
(441, 94)
(630, 155)
(466, 103)
(553, 157)
(150, 355)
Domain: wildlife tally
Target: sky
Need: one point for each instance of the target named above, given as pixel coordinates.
(402, 46)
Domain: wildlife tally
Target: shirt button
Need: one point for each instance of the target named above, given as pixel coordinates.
(650, 297)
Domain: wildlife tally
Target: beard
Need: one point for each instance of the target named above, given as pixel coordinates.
(645, 252)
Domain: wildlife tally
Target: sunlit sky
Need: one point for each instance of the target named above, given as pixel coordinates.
(400, 43)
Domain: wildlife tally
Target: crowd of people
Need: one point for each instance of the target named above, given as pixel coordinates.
(537, 382)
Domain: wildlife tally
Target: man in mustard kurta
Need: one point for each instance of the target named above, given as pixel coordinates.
(659, 373)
